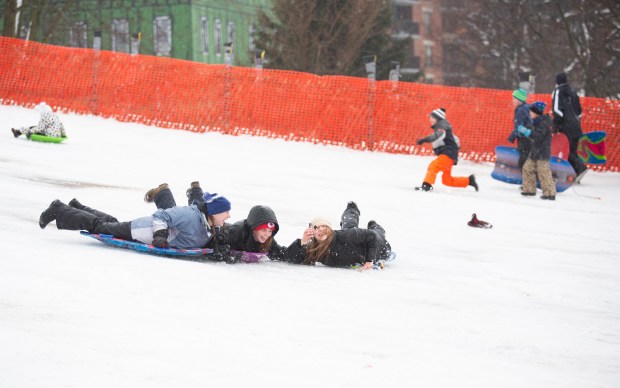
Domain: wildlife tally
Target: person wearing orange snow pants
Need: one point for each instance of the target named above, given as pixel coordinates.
(444, 164)
(446, 147)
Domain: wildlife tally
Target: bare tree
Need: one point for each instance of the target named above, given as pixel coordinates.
(326, 36)
(497, 39)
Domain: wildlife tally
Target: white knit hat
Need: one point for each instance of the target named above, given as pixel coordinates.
(43, 108)
(319, 221)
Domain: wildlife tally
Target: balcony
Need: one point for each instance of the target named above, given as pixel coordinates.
(405, 29)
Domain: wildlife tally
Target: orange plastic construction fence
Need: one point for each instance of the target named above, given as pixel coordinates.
(352, 112)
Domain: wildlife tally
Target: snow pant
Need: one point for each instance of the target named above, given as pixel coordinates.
(540, 168)
(573, 158)
(524, 145)
(103, 216)
(444, 164)
(350, 219)
(70, 218)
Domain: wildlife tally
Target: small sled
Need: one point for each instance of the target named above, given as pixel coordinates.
(507, 169)
(200, 254)
(591, 148)
(47, 139)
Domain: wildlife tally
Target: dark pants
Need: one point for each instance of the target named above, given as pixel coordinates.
(350, 219)
(574, 160)
(524, 145)
(70, 218)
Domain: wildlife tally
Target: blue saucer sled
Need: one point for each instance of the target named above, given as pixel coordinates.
(201, 254)
(507, 169)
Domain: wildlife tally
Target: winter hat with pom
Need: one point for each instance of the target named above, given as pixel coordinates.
(43, 108)
(439, 114)
(538, 107)
(216, 203)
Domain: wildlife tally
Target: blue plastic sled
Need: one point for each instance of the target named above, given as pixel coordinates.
(507, 169)
(200, 254)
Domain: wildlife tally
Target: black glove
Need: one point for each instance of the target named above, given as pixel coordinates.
(221, 252)
(160, 238)
(421, 141)
(513, 136)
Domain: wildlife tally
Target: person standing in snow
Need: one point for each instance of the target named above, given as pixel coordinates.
(566, 109)
(180, 227)
(49, 124)
(344, 248)
(521, 118)
(537, 163)
(446, 147)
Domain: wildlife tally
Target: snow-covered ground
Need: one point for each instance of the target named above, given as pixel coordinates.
(533, 302)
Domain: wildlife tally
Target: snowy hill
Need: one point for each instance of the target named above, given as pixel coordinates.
(533, 302)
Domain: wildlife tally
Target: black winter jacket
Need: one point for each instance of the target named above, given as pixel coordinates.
(566, 109)
(542, 130)
(443, 140)
(239, 235)
(349, 247)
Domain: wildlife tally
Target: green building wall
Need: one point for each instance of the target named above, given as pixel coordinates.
(188, 18)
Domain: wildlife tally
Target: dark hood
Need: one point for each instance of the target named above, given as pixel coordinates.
(260, 215)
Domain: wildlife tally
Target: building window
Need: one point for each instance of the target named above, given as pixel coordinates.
(231, 33)
(251, 42)
(78, 35)
(428, 54)
(204, 34)
(162, 33)
(427, 20)
(120, 35)
(218, 37)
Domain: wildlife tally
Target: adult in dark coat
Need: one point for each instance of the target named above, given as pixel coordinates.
(567, 111)
(340, 248)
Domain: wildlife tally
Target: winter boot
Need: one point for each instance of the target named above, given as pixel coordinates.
(150, 195)
(372, 225)
(472, 182)
(425, 187)
(579, 176)
(50, 213)
(549, 197)
(195, 194)
(350, 217)
(16, 132)
(104, 217)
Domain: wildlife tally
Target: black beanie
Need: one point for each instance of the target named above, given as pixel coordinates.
(561, 78)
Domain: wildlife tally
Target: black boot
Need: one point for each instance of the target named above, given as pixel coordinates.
(50, 213)
(104, 217)
(150, 195)
(195, 195)
(350, 217)
(425, 187)
(472, 182)
(16, 132)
